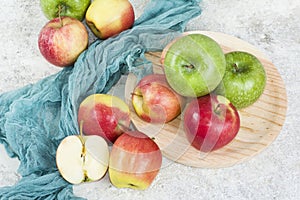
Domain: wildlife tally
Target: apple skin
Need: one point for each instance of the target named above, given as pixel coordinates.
(82, 158)
(155, 101)
(104, 115)
(194, 64)
(62, 40)
(211, 122)
(244, 80)
(135, 161)
(71, 8)
(107, 18)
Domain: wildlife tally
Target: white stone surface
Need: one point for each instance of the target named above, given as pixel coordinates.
(271, 25)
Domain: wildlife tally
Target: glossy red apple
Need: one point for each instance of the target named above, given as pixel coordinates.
(211, 122)
(135, 161)
(104, 115)
(155, 101)
(62, 40)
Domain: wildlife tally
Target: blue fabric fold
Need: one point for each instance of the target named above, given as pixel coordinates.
(35, 118)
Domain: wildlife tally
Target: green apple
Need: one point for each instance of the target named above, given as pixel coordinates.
(70, 8)
(244, 80)
(194, 64)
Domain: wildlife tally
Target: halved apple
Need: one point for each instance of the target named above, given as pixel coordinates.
(82, 158)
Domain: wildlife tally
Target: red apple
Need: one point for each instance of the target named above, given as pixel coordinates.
(135, 161)
(107, 18)
(211, 122)
(155, 101)
(104, 115)
(62, 40)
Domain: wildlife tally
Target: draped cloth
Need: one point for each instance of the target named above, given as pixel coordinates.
(35, 118)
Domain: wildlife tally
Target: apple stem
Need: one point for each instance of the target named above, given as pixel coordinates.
(81, 128)
(139, 95)
(59, 14)
(236, 68)
(218, 109)
(189, 67)
(123, 128)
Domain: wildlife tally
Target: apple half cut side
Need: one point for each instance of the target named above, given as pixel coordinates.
(82, 158)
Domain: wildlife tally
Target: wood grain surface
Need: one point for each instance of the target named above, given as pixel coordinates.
(260, 123)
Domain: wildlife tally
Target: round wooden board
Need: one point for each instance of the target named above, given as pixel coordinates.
(260, 123)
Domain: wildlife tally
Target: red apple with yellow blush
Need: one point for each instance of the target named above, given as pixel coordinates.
(155, 101)
(107, 18)
(104, 115)
(135, 161)
(62, 40)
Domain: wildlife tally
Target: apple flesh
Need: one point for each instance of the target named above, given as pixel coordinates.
(82, 158)
(107, 18)
(211, 122)
(155, 101)
(194, 64)
(71, 8)
(244, 80)
(135, 161)
(104, 115)
(62, 40)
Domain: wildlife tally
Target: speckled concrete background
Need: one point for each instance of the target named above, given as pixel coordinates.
(272, 26)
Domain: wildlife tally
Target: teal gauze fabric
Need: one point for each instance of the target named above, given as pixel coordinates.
(35, 118)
